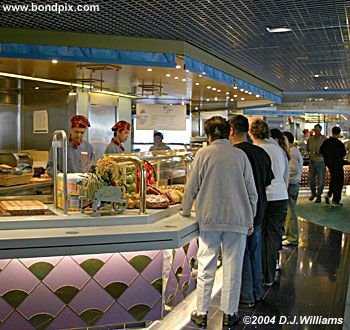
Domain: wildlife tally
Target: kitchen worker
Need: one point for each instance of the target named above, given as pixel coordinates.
(80, 155)
(121, 133)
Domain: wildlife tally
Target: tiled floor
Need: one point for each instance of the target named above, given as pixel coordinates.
(313, 282)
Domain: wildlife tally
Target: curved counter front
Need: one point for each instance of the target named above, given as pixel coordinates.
(70, 272)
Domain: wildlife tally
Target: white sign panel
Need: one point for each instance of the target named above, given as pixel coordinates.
(160, 117)
(40, 122)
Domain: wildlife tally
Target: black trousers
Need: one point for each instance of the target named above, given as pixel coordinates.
(337, 182)
(272, 232)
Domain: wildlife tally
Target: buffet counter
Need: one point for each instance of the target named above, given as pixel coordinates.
(78, 271)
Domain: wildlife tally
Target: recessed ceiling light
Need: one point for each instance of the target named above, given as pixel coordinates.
(215, 98)
(235, 87)
(176, 77)
(246, 92)
(227, 97)
(231, 99)
(241, 90)
(178, 67)
(209, 87)
(219, 90)
(54, 61)
(200, 75)
(168, 75)
(250, 93)
(257, 95)
(36, 87)
(187, 70)
(204, 72)
(208, 100)
(227, 93)
(214, 89)
(242, 99)
(149, 69)
(316, 75)
(279, 29)
(271, 105)
(183, 79)
(170, 104)
(326, 87)
(197, 83)
(196, 108)
(235, 95)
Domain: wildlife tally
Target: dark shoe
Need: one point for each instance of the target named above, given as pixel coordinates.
(312, 197)
(335, 204)
(230, 320)
(199, 320)
(318, 199)
(246, 305)
(327, 199)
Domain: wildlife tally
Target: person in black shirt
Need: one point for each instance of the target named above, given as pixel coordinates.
(333, 152)
(252, 278)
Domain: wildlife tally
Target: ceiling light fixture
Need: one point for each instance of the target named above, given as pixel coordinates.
(54, 61)
(209, 87)
(246, 92)
(176, 77)
(279, 29)
(227, 93)
(250, 93)
(235, 95)
(326, 87)
(316, 75)
(227, 97)
(213, 89)
(219, 90)
(36, 87)
(149, 69)
(242, 99)
(66, 83)
(241, 90)
(204, 73)
(257, 95)
(196, 108)
(235, 87)
(200, 76)
(183, 79)
(178, 67)
(168, 75)
(215, 98)
(208, 100)
(231, 100)
(197, 83)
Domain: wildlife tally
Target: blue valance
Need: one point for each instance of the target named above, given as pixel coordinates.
(83, 54)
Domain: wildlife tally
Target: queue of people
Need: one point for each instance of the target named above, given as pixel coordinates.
(246, 203)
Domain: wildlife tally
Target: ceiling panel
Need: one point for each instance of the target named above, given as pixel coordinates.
(232, 30)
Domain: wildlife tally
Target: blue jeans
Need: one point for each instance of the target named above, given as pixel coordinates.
(317, 169)
(252, 279)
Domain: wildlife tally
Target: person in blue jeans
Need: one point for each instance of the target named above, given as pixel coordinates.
(252, 276)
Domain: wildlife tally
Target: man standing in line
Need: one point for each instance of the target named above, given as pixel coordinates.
(252, 275)
(121, 133)
(334, 152)
(317, 167)
(222, 184)
(295, 173)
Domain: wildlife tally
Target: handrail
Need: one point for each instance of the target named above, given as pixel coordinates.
(56, 143)
(140, 163)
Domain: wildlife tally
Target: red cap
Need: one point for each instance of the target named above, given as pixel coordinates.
(79, 121)
(120, 126)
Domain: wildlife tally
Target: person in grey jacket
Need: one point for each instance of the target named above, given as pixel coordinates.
(222, 184)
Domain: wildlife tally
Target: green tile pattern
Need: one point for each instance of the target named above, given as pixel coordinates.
(41, 321)
(41, 269)
(91, 316)
(92, 266)
(158, 285)
(116, 289)
(67, 293)
(139, 311)
(140, 263)
(15, 297)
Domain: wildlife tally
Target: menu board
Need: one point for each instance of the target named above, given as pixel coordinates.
(160, 117)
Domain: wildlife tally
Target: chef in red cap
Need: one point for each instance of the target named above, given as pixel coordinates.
(121, 133)
(80, 156)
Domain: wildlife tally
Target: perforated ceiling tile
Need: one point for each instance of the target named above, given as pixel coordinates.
(232, 30)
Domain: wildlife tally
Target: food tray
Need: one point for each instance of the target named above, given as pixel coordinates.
(13, 180)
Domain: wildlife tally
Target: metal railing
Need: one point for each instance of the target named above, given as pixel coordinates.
(60, 143)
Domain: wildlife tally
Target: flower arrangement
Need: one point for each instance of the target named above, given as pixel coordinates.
(105, 172)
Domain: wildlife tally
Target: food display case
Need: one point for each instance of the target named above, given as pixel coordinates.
(77, 270)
